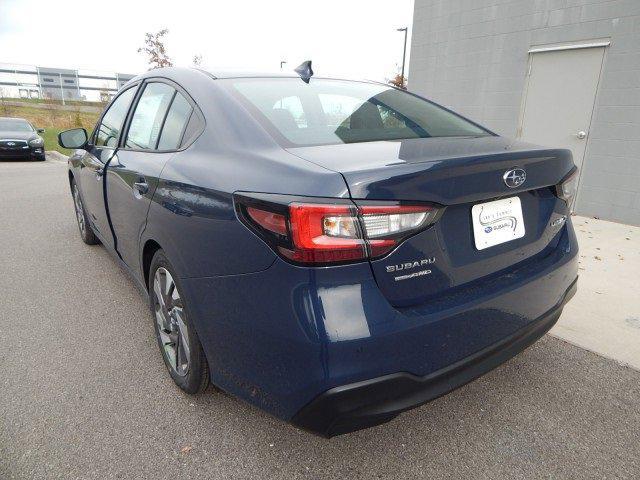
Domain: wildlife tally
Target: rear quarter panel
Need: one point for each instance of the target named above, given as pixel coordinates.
(192, 215)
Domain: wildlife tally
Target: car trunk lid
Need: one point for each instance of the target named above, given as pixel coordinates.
(456, 174)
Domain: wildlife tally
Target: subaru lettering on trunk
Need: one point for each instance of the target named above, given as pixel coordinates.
(334, 252)
(408, 265)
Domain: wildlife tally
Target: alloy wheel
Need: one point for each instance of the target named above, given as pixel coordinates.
(170, 316)
(79, 210)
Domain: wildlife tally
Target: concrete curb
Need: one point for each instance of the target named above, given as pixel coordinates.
(57, 156)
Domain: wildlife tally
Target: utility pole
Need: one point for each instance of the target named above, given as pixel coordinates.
(40, 92)
(404, 51)
(61, 89)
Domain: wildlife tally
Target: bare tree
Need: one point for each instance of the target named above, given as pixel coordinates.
(5, 107)
(398, 81)
(50, 106)
(156, 51)
(104, 96)
(197, 60)
(77, 120)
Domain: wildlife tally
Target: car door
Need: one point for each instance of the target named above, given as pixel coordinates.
(96, 156)
(154, 133)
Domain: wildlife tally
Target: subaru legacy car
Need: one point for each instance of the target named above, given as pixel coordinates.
(334, 252)
(19, 140)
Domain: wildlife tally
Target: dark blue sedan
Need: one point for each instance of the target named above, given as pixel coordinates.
(334, 252)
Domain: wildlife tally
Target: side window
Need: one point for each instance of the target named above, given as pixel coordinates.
(194, 128)
(175, 123)
(148, 116)
(111, 125)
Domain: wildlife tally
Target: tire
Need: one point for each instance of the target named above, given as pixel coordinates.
(86, 232)
(174, 329)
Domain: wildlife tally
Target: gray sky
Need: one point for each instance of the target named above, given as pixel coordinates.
(355, 38)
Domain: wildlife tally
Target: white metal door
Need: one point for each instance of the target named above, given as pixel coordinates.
(559, 98)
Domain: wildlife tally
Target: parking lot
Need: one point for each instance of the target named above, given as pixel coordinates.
(84, 393)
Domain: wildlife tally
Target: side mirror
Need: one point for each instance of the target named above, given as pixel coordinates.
(72, 139)
(40, 130)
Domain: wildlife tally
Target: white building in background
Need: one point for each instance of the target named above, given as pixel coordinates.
(562, 73)
(28, 81)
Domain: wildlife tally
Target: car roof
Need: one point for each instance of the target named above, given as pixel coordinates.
(14, 118)
(177, 73)
(227, 120)
(248, 74)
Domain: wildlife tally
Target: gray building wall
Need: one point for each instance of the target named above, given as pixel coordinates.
(55, 82)
(122, 79)
(33, 82)
(472, 55)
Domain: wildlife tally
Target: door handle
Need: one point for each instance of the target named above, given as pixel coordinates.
(142, 187)
(581, 135)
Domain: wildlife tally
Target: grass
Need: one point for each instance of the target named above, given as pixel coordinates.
(50, 136)
(53, 121)
(57, 102)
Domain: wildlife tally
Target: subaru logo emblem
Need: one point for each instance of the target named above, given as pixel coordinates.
(514, 178)
(11, 144)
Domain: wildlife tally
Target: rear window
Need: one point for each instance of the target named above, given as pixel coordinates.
(327, 112)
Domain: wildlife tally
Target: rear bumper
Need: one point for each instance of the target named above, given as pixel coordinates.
(363, 404)
(284, 337)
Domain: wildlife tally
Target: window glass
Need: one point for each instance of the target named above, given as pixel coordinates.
(337, 107)
(111, 125)
(288, 113)
(174, 125)
(194, 127)
(336, 111)
(149, 115)
(11, 125)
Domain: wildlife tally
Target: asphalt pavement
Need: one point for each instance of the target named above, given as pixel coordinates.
(84, 393)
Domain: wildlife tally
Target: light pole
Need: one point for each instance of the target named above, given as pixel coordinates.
(282, 63)
(61, 89)
(404, 51)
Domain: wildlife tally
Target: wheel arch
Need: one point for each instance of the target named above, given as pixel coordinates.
(148, 251)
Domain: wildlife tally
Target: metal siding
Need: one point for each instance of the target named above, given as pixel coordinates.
(472, 56)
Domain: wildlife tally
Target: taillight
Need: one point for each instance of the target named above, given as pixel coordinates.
(268, 220)
(385, 226)
(323, 233)
(568, 186)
